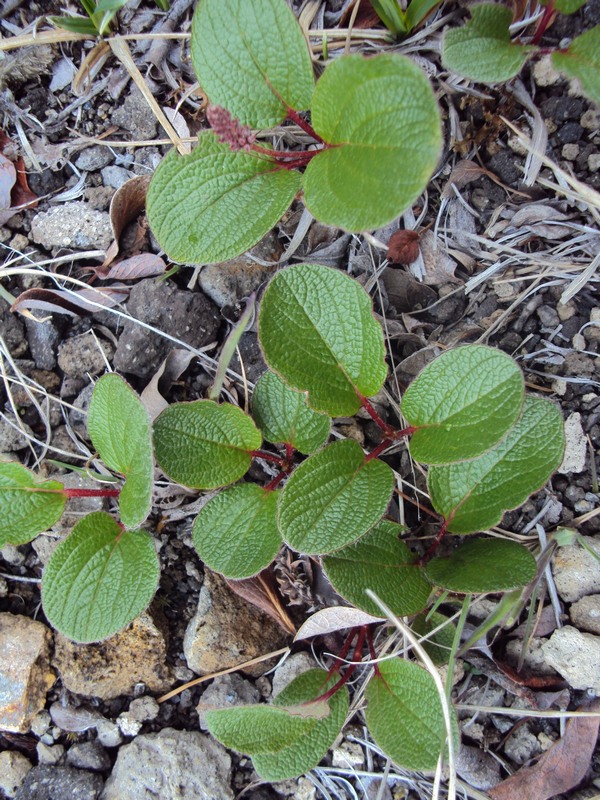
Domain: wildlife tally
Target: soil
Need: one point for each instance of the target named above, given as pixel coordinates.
(503, 271)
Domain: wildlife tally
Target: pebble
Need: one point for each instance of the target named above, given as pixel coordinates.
(227, 631)
(590, 119)
(88, 755)
(114, 177)
(226, 691)
(576, 656)
(135, 116)
(84, 354)
(570, 133)
(522, 745)
(570, 151)
(293, 666)
(594, 162)
(548, 316)
(477, 767)
(49, 754)
(108, 732)
(41, 723)
(544, 73)
(159, 764)
(12, 331)
(585, 614)
(349, 755)
(13, 434)
(228, 283)
(113, 667)
(25, 673)
(576, 448)
(566, 310)
(72, 225)
(50, 783)
(94, 158)
(14, 766)
(576, 571)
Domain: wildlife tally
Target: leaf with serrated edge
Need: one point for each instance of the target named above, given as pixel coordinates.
(283, 416)
(317, 330)
(483, 565)
(205, 445)
(99, 579)
(121, 432)
(462, 404)
(333, 498)
(404, 714)
(258, 729)
(307, 752)
(379, 561)
(581, 60)
(236, 532)
(482, 49)
(381, 116)
(252, 58)
(473, 495)
(214, 204)
(28, 504)
(335, 618)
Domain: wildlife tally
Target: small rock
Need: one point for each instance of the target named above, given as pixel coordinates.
(561, 109)
(13, 434)
(569, 133)
(590, 119)
(594, 162)
(114, 176)
(566, 310)
(72, 225)
(94, 158)
(184, 764)
(226, 631)
(12, 555)
(576, 571)
(88, 755)
(226, 691)
(548, 316)
(585, 613)
(189, 316)
(576, 445)
(503, 164)
(521, 746)
(41, 722)
(478, 768)
(299, 789)
(143, 709)
(135, 116)
(534, 660)
(290, 669)
(544, 73)
(74, 720)
(49, 754)
(349, 755)
(52, 783)
(570, 152)
(12, 331)
(25, 673)
(85, 354)
(113, 667)
(576, 656)
(128, 726)
(13, 769)
(108, 732)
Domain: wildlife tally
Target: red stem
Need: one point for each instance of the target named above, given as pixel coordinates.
(268, 457)
(543, 23)
(275, 482)
(379, 449)
(436, 542)
(91, 492)
(372, 652)
(389, 431)
(294, 116)
(356, 658)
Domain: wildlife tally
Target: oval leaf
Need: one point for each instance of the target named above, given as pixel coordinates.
(204, 445)
(252, 58)
(381, 115)
(236, 532)
(462, 404)
(28, 505)
(214, 204)
(298, 758)
(121, 432)
(483, 565)
(342, 354)
(380, 562)
(482, 49)
(284, 417)
(404, 714)
(473, 495)
(99, 579)
(333, 498)
(581, 60)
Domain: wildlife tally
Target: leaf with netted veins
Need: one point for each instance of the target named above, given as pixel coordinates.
(482, 49)
(318, 332)
(29, 504)
(462, 404)
(473, 495)
(581, 60)
(99, 579)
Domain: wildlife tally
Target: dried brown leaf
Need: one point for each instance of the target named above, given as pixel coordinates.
(127, 203)
(403, 247)
(144, 265)
(76, 304)
(463, 173)
(439, 267)
(177, 361)
(561, 767)
(261, 591)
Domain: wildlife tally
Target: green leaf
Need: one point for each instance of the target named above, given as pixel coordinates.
(282, 415)
(76, 24)
(333, 498)
(252, 58)
(462, 404)
(581, 60)
(392, 16)
(380, 562)
(483, 565)
(381, 115)
(473, 495)
(439, 645)
(317, 330)
(28, 505)
(110, 5)
(404, 714)
(205, 445)
(565, 6)
(305, 754)
(236, 532)
(121, 432)
(482, 49)
(99, 579)
(214, 204)
(417, 11)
